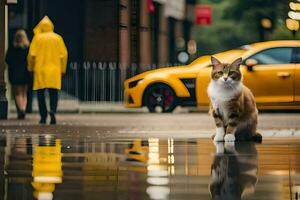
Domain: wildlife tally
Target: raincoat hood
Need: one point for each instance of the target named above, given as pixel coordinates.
(45, 25)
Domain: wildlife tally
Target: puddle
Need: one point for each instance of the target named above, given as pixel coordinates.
(53, 167)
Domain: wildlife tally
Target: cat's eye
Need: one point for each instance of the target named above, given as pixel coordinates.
(220, 73)
(231, 73)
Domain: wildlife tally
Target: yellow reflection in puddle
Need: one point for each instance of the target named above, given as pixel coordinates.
(280, 172)
(47, 170)
(137, 152)
(158, 174)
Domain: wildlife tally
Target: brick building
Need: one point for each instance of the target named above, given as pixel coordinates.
(143, 32)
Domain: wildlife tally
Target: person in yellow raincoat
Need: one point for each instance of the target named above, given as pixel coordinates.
(47, 59)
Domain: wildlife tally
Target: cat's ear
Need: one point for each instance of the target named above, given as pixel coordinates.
(236, 64)
(215, 62)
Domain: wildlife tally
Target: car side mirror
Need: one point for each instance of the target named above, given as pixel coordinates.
(250, 63)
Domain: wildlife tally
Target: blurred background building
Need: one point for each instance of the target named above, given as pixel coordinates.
(139, 32)
(128, 36)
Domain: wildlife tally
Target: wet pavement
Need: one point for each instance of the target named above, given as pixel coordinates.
(50, 166)
(136, 157)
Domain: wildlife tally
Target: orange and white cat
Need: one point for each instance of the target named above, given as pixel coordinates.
(232, 104)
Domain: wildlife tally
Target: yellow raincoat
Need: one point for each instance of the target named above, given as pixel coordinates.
(47, 57)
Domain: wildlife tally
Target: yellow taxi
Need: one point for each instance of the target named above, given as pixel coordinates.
(270, 69)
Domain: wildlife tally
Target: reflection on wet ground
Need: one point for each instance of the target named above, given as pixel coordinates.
(53, 167)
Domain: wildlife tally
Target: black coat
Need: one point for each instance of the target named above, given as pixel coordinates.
(16, 58)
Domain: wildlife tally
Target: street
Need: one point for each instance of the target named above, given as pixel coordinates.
(147, 156)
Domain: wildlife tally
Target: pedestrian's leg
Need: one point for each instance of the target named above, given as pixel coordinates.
(42, 105)
(24, 97)
(29, 99)
(22, 100)
(53, 93)
(17, 100)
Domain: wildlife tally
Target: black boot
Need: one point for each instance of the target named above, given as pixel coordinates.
(52, 118)
(43, 120)
(21, 115)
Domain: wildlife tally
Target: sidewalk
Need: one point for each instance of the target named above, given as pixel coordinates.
(74, 106)
(143, 125)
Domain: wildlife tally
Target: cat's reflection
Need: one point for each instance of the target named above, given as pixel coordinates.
(233, 171)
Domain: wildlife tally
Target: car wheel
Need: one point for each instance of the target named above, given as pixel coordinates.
(160, 98)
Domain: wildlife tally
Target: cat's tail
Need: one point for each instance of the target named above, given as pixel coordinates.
(257, 137)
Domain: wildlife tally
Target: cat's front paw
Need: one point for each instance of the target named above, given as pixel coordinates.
(219, 137)
(229, 138)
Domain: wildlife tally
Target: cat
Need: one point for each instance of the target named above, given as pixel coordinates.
(232, 105)
(233, 171)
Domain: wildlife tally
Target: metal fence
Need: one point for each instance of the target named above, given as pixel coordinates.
(94, 82)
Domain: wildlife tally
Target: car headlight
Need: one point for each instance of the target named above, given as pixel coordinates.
(135, 83)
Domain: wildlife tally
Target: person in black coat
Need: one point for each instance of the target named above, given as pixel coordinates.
(19, 76)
